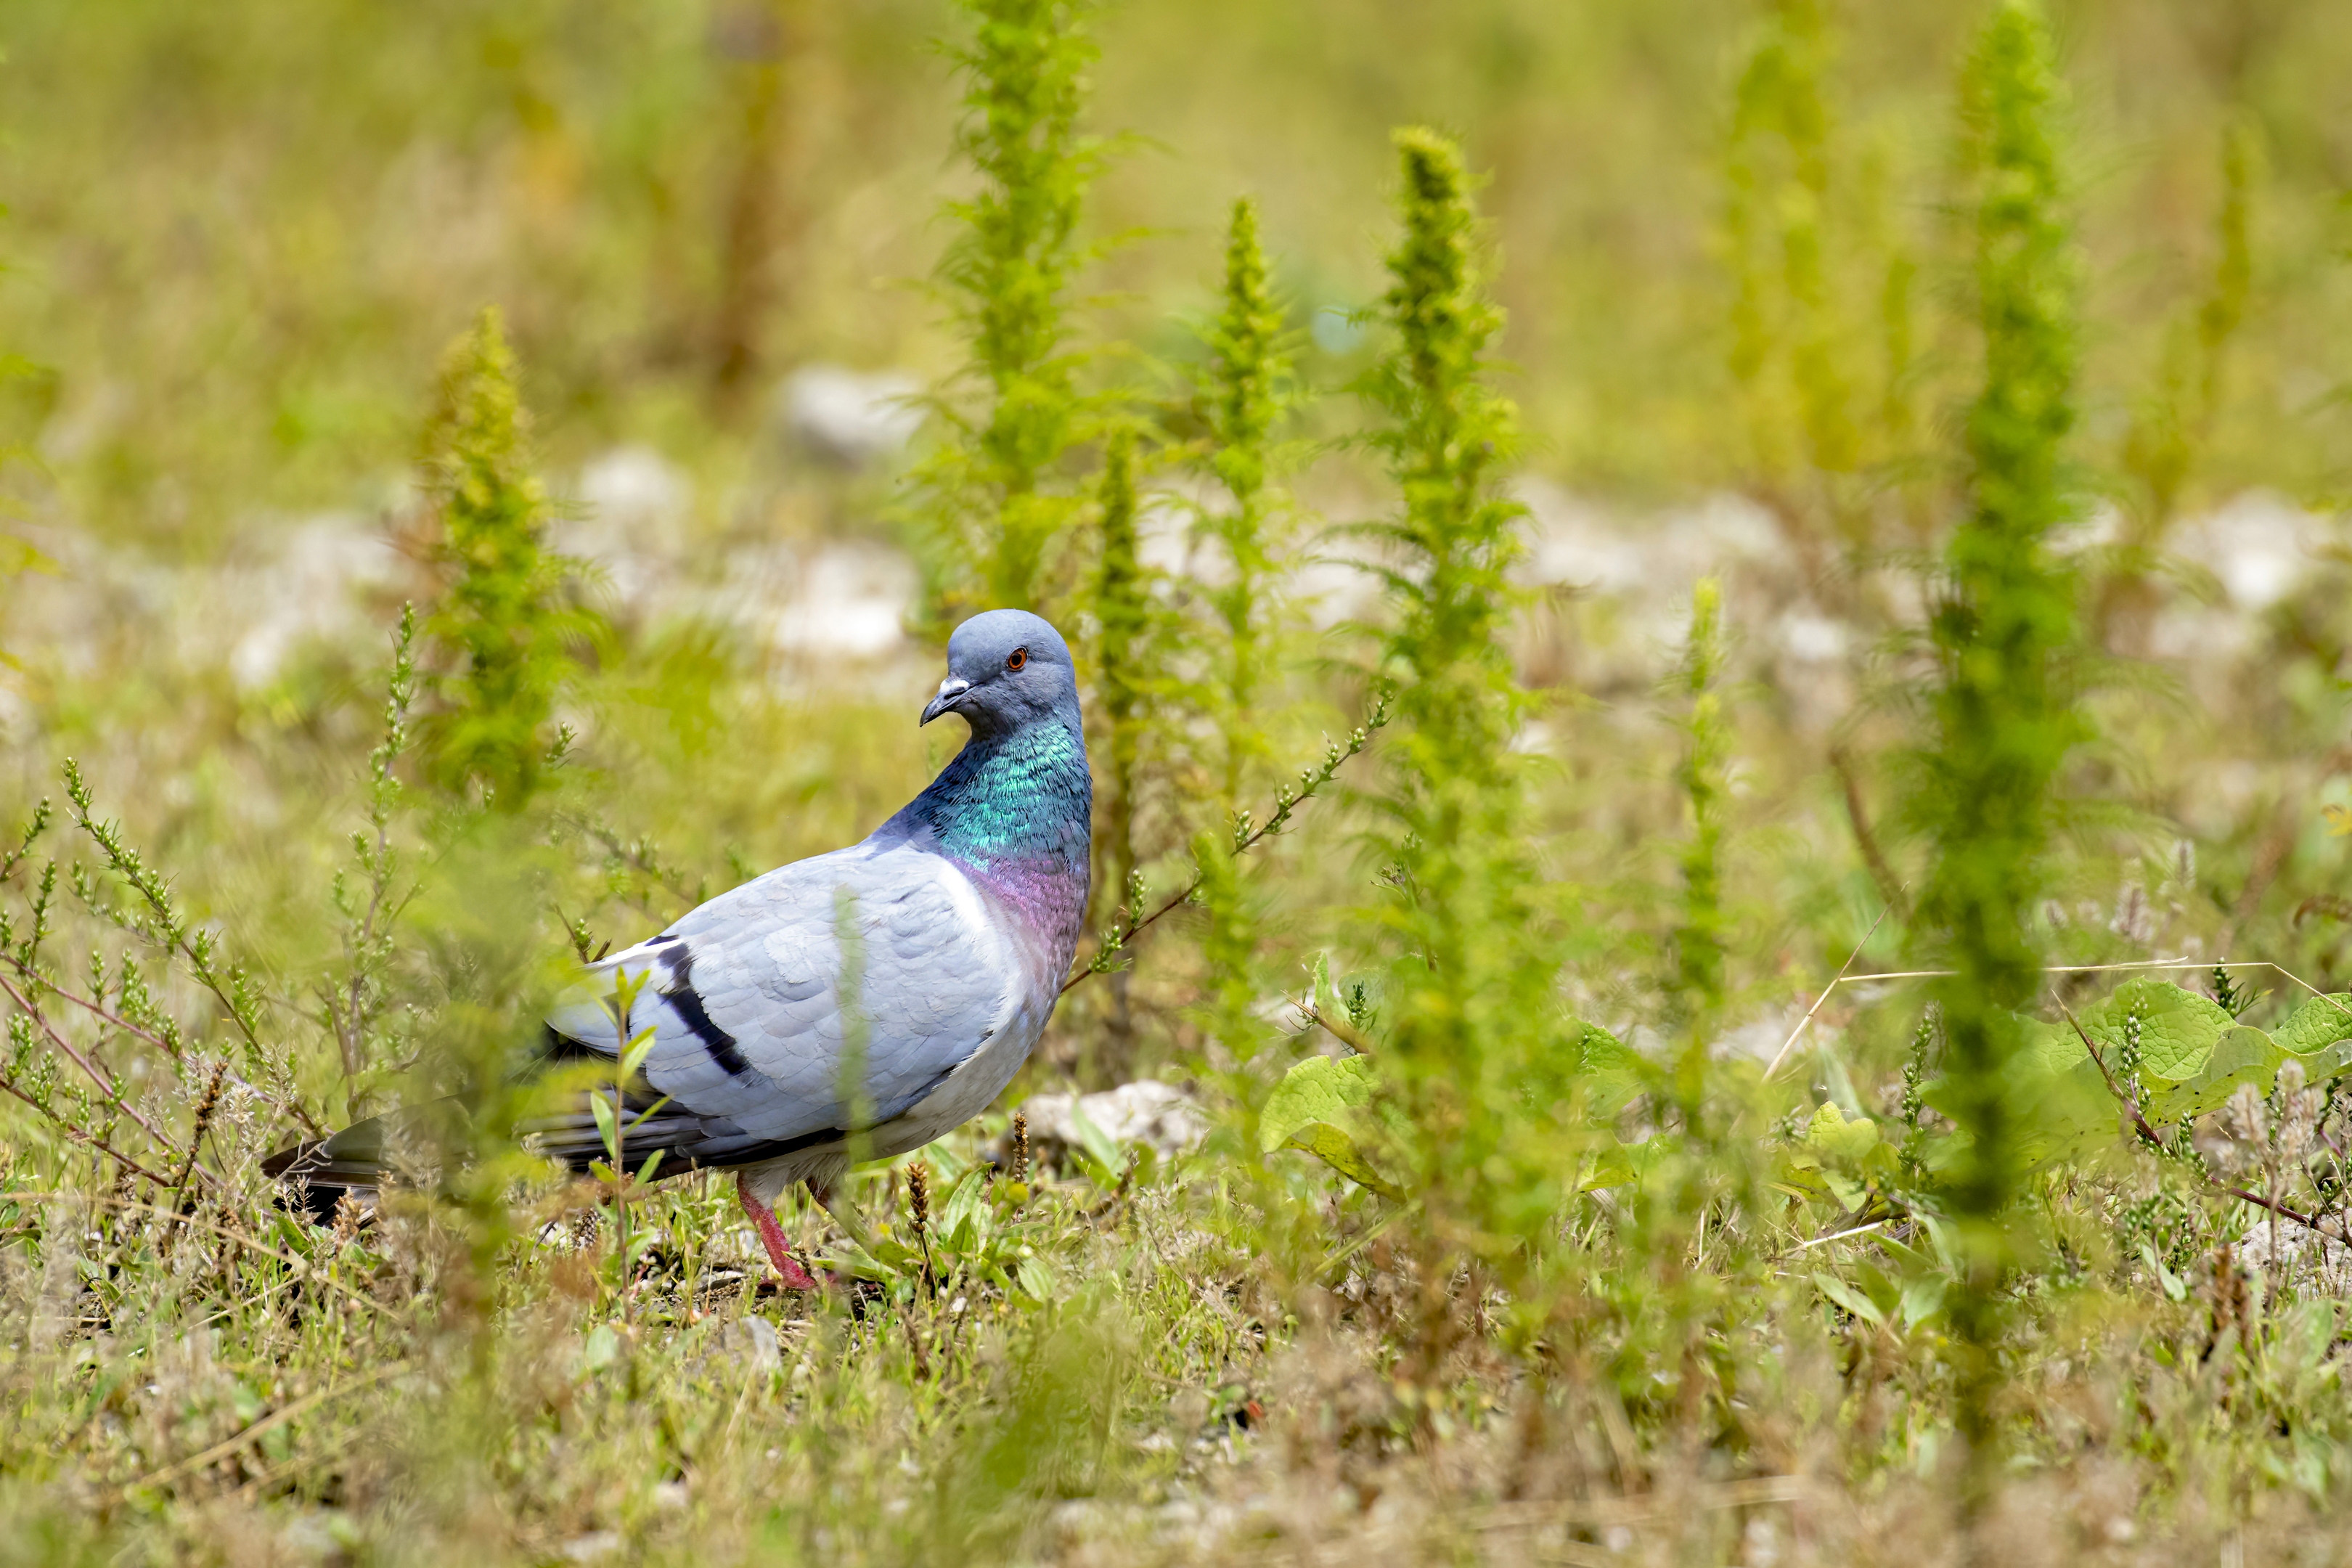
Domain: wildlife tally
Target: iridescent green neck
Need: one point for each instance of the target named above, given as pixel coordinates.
(1019, 798)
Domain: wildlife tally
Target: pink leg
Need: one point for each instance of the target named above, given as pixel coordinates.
(771, 1234)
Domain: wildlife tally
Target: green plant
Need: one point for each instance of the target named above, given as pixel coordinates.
(2003, 716)
(1786, 325)
(354, 1000)
(1468, 1015)
(1248, 395)
(1124, 653)
(1698, 940)
(1004, 503)
(505, 620)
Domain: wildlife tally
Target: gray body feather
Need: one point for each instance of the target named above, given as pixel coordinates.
(756, 1038)
(867, 1000)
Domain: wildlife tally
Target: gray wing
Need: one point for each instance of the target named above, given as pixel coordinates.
(744, 997)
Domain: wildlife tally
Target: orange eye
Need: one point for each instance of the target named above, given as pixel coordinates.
(1019, 657)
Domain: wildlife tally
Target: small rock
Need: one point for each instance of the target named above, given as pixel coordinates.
(589, 1547)
(852, 418)
(1147, 1112)
(752, 1341)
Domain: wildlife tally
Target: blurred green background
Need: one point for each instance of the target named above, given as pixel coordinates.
(240, 233)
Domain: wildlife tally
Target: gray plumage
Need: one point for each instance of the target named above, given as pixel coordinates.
(957, 920)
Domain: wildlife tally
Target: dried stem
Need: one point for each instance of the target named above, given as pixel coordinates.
(2148, 1135)
(95, 1073)
(1286, 801)
(88, 1140)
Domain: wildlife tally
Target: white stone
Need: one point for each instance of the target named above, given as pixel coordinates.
(851, 417)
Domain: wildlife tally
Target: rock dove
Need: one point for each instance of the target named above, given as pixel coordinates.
(934, 950)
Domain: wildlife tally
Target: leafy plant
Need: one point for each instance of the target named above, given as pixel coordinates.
(1005, 505)
(505, 622)
(2004, 634)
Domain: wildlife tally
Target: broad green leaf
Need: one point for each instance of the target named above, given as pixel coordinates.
(633, 1060)
(2064, 1116)
(2319, 1023)
(1614, 1075)
(2049, 1050)
(1877, 1285)
(1336, 1149)
(1851, 1300)
(898, 1255)
(1833, 1136)
(2240, 1056)
(963, 1207)
(1316, 1108)
(2177, 1027)
(601, 1107)
(1098, 1143)
(2328, 1061)
(1036, 1280)
(1320, 1088)
(1922, 1299)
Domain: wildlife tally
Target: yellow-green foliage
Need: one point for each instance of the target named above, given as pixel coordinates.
(1699, 934)
(503, 622)
(1006, 505)
(2004, 628)
(1785, 324)
(1554, 1200)
(1469, 1016)
(1248, 393)
(1248, 390)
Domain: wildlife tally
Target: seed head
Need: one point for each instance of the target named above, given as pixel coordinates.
(919, 1195)
(2245, 1118)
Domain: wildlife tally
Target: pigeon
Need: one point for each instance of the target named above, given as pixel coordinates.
(858, 1003)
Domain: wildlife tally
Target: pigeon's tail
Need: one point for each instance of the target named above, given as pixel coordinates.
(355, 1161)
(323, 1169)
(647, 1125)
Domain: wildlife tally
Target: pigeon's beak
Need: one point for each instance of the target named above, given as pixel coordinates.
(952, 692)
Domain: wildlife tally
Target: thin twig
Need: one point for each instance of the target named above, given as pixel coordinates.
(1842, 1235)
(1286, 801)
(1780, 1054)
(1341, 1030)
(1844, 978)
(95, 1073)
(1890, 886)
(113, 1020)
(2148, 1135)
(169, 931)
(89, 1140)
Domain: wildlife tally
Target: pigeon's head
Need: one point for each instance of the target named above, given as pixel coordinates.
(1005, 668)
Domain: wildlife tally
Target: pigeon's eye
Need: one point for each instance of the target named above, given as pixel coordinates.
(1019, 656)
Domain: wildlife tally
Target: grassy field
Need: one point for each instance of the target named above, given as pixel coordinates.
(1714, 641)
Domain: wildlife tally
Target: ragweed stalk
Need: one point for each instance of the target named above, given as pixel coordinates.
(1248, 393)
(1470, 999)
(505, 616)
(1699, 934)
(2005, 631)
(1007, 274)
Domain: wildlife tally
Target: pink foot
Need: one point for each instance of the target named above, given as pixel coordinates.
(771, 1234)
